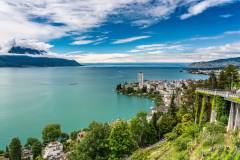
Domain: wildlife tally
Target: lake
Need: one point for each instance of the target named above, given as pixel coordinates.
(31, 98)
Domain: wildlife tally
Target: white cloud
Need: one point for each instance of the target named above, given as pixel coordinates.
(82, 40)
(202, 6)
(225, 34)
(130, 39)
(18, 17)
(27, 43)
(158, 48)
(226, 15)
(230, 48)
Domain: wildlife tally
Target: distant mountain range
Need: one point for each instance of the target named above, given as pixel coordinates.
(215, 64)
(23, 50)
(27, 57)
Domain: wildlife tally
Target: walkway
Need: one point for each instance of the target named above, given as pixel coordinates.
(228, 95)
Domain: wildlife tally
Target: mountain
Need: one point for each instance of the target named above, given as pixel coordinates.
(23, 50)
(27, 57)
(28, 61)
(215, 64)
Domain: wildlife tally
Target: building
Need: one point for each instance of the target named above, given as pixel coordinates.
(27, 154)
(53, 151)
(140, 80)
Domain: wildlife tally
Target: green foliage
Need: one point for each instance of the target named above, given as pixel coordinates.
(196, 107)
(140, 155)
(213, 133)
(95, 144)
(212, 80)
(171, 136)
(222, 110)
(15, 149)
(228, 77)
(36, 149)
(182, 143)
(142, 131)
(73, 135)
(182, 156)
(31, 141)
(51, 133)
(39, 158)
(203, 109)
(166, 123)
(121, 141)
(172, 110)
(236, 139)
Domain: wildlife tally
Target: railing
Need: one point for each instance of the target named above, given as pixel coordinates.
(225, 94)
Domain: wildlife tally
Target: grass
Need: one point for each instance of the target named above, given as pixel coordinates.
(199, 149)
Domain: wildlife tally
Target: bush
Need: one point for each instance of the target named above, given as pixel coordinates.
(211, 140)
(236, 139)
(170, 136)
(182, 156)
(140, 155)
(182, 143)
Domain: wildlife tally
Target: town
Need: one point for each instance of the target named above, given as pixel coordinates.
(164, 89)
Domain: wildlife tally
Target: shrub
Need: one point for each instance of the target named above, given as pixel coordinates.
(182, 156)
(140, 155)
(182, 143)
(170, 136)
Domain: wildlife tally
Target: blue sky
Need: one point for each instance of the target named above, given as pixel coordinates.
(124, 30)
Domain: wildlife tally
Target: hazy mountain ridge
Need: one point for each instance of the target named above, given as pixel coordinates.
(219, 63)
(24, 50)
(19, 56)
(28, 61)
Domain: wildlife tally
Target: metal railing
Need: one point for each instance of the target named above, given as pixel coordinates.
(222, 93)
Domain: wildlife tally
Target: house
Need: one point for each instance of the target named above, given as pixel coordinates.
(27, 154)
(53, 151)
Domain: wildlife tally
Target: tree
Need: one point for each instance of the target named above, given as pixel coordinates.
(119, 87)
(6, 154)
(73, 135)
(63, 137)
(173, 108)
(165, 124)
(154, 123)
(36, 149)
(212, 80)
(222, 110)
(141, 130)
(222, 80)
(31, 141)
(95, 145)
(121, 141)
(51, 133)
(227, 77)
(231, 74)
(15, 149)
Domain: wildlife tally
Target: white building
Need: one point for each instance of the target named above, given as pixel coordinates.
(53, 151)
(26, 154)
(140, 79)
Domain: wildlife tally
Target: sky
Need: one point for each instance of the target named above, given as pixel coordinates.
(110, 31)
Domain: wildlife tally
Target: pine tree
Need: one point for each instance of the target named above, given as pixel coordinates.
(15, 149)
(172, 109)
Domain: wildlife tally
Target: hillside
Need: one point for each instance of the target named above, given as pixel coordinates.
(28, 61)
(220, 63)
(19, 56)
(210, 143)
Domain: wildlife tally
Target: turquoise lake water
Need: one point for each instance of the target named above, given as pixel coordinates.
(31, 98)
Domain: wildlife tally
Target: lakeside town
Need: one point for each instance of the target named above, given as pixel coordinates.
(164, 89)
